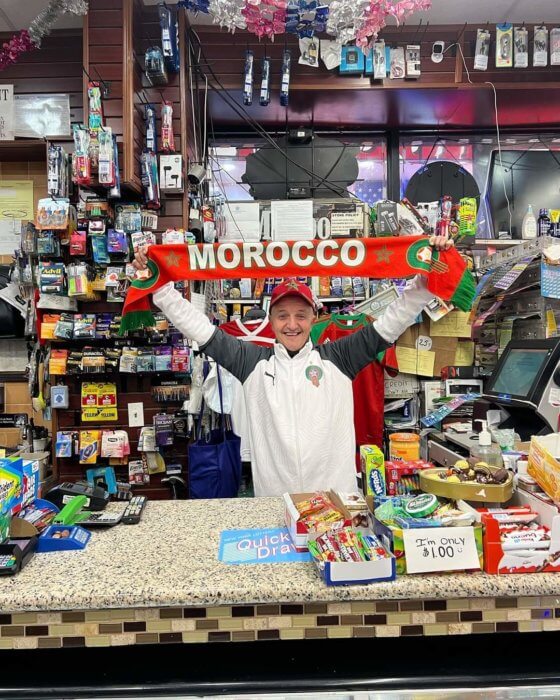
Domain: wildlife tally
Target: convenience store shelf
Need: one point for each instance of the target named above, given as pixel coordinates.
(485, 243)
(258, 301)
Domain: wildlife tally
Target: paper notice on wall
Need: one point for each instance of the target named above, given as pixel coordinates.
(505, 332)
(347, 223)
(454, 325)
(7, 113)
(242, 221)
(292, 220)
(464, 355)
(16, 201)
(10, 236)
(412, 361)
(42, 116)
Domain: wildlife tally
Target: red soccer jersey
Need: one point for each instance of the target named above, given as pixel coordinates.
(368, 386)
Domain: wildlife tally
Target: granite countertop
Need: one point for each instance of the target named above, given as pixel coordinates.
(170, 558)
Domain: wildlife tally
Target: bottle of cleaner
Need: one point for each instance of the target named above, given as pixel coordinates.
(485, 451)
(529, 227)
(543, 223)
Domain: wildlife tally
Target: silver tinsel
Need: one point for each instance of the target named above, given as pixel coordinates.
(45, 20)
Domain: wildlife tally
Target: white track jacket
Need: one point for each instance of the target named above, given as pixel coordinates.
(300, 408)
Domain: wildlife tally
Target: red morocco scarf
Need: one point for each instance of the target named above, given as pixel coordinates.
(379, 258)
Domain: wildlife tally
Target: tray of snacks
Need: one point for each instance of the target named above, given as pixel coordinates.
(469, 483)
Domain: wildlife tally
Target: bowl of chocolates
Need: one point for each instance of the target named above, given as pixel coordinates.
(469, 482)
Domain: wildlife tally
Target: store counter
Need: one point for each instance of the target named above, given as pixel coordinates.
(160, 582)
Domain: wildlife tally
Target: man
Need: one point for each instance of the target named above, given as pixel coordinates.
(299, 397)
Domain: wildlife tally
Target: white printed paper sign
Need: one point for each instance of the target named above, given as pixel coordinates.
(7, 113)
(440, 549)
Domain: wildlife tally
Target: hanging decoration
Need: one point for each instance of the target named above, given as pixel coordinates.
(362, 21)
(266, 18)
(358, 21)
(41, 26)
(12, 49)
(228, 13)
(305, 19)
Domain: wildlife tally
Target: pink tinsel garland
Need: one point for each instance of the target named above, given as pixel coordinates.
(11, 50)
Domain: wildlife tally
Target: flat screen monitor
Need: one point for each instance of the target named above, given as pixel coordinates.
(529, 177)
(524, 369)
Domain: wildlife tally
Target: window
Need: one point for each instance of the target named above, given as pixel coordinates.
(473, 153)
(227, 161)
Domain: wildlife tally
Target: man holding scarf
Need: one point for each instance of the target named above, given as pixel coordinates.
(299, 397)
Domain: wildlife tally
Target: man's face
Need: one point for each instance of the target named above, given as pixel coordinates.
(291, 319)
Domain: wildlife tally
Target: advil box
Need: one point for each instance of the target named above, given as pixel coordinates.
(31, 478)
(298, 532)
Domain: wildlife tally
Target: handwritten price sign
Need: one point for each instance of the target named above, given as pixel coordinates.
(440, 549)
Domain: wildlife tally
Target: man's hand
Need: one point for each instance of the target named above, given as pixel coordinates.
(441, 242)
(140, 261)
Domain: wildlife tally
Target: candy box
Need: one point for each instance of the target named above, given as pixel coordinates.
(496, 561)
(404, 477)
(298, 531)
(373, 470)
(345, 573)
(394, 541)
(356, 504)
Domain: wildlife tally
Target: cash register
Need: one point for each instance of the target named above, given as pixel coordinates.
(524, 388)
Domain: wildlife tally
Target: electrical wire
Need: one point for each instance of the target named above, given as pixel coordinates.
(488, 82)
(204, 144)
(194, 125)
(224, 94)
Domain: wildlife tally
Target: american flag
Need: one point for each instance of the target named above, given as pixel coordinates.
(369, 191)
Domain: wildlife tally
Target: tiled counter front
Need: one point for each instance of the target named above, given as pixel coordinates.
(161, 582)
(248, 623)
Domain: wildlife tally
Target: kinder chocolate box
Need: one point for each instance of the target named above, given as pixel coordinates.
(294, 520)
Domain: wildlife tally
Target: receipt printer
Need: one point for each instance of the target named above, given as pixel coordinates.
(97, 498)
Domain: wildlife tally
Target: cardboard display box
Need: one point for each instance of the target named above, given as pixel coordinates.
(298, 531)
(393, 540)
(345, 573)
(422, 354)
(496, 561)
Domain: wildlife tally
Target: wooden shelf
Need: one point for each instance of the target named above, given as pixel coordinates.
(23, 150)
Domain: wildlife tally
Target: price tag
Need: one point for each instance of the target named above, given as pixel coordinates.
(424, 342)
(440, 549)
